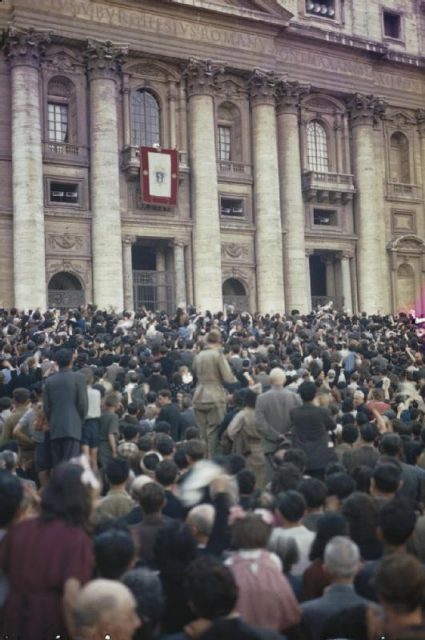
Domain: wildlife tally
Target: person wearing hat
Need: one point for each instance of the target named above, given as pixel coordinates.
(209, 401)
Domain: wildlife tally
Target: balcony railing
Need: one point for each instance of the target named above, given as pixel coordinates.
(400, 191)
(235, 171)
(327, 186)
(64, 152)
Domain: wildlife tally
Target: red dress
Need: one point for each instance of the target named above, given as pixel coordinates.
(37, 558)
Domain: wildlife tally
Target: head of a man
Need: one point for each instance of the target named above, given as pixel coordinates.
(400, 586)
(104, 608)
(200, 521)
(341, 559)
(211, 588)
(64, 358)
(277, 377)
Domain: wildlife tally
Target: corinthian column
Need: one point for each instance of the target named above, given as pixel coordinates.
(103, 66)
(201, 85)
(365, 111)
(268, 235)
(24, 50)
(289, 95)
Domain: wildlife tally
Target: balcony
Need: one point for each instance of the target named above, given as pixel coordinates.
(234, 171)
(404, 192)
(332, 188)
(64, 153)
(130, 161)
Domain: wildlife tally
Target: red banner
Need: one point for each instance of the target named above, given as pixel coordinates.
(159, 175)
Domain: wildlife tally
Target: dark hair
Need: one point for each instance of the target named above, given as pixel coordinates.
(314, 492)
(162, 426)
(66, 497)
(328, 525)
(113, 550)
(362, 476)
(291, 505)
(334, 467)
(369, 432)
(146, 588)
(11, 493)
(117, 471)
(130, 431)
(151, 460)
(400, 582)
(211, 588)
(246, 481)
(412, 451)
(180, 459)
(195, 450)
(340, 485)
(361, 512)
(165, 393)
(297, 457)
(233, 463)
(391, 444)
(21, 396)
(166, 473)
(165, 445)
(191, 433)
(285, 477)
(349, 434)
(175, 547)
(151, 498)
(397, 520)
(250, 398)
(387, 477)
(63, 358)
(307, 391)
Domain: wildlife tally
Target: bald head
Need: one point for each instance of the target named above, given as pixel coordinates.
(105, 608)
(277, 377)
(200, 520)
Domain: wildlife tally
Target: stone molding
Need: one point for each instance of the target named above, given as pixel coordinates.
(202, 77)
(104, 59)
(130, 240)
(262, 87)
(365, 109)
(66, 241)
(290, 94)
(25, 47)
(233, 251)
(420, 119)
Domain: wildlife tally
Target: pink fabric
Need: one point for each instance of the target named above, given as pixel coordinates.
(265, 598)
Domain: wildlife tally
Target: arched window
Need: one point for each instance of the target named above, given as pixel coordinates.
(145, 119)
(317, 147)
(399, 158)
(61, 111)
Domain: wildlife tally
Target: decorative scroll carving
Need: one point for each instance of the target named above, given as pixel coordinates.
(24, 46)
(420, 119)
(262, 87)
(202, 77)
(234, 251)
(80, 268)
(290, 94)
(104, 59)
(63, 61)
(66, 241)
(365, 109)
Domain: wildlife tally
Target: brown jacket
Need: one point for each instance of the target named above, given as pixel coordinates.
(211, 369)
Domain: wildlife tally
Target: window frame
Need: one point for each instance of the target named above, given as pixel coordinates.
(61, 104)
(79, 182)
(407, 159)
(316, 166)
(399, 14)
(134, 130)
(228, 143)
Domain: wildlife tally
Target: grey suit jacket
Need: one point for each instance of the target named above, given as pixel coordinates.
(272, 413)
(317, 612)
(65, 404)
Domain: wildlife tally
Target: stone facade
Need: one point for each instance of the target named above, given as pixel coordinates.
(301, 141)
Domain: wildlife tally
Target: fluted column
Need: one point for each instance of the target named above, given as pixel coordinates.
(268, 235)
(201, 85)
(180, 273)
(127, 244)
(103, 66)
(365, 111)
(346, 282)
(289, 96)
(308, 253)
(24, 50)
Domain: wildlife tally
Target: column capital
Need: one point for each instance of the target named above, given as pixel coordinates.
(365, 109)
(202, 77)
(104, 59)
(178, 242)
(128, 239)
(309, 252)
(262, 87)
(420, 119)
(24, 47)
(290, 94)
(346, 255)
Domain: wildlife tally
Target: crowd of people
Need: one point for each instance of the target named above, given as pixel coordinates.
(214, 477)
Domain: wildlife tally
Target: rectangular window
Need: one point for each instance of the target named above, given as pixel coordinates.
(323, 9)
(325, 217)
(233, 207)
(64, 192)
(58, 122)
(392, 25)
(224, 143)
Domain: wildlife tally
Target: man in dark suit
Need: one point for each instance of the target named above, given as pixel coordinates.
(65, 405)
(170, 413)
(365, 454)
(341, 562)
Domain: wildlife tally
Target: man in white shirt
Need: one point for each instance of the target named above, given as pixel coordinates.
(90, 432)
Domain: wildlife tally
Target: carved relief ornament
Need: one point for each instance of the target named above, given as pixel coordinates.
(66, 241)
(79, 268)
(262, 86)
(24, 47)
(202, 77)
(64, 62)
(365, 109)
(104, 59)
(290, 94)
(234, 251)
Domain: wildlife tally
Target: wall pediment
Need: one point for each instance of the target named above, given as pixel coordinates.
(272, 11)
